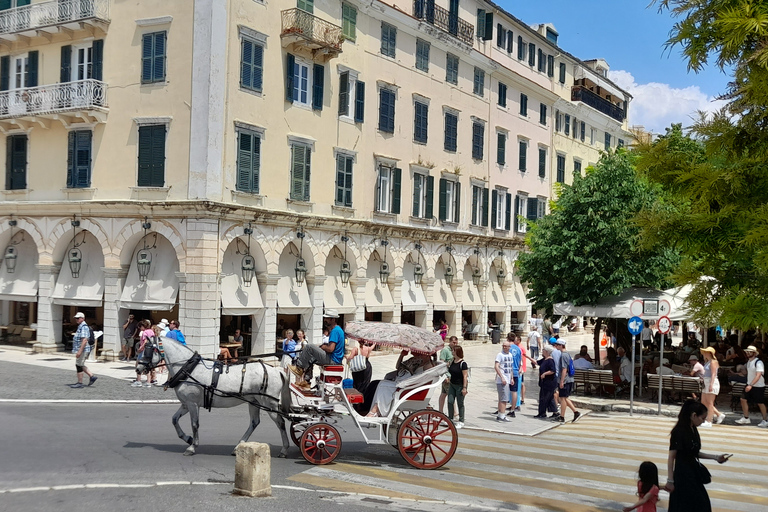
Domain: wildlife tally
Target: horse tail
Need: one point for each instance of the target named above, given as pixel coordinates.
(285, 394)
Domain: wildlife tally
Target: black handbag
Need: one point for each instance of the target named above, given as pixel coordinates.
(704, 475)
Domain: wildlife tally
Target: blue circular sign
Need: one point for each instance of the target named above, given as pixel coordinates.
(635, 325)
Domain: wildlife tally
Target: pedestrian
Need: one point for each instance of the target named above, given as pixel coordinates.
(163, 324)
(514, 386)
(711, 387)
(547, 381)
(458, 384)
(647, 488)
(446, 356)
(686, 476)
(533, 343)
(443, 329)
(565, 383)
(646, 336)
(148, 332)
(289, 349)
(81, 347)
(174, 333)
(554, 406)
(547, 331)
(754, 392)
(523, 367)
(129, 333)
(504, 379)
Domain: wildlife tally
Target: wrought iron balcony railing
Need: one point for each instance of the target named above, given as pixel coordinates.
(47, 14)
(584, 95)
(444, 20)
(311, 31)
(53, 99)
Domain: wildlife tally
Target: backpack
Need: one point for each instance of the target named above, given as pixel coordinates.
(91, 337)
(571, 368)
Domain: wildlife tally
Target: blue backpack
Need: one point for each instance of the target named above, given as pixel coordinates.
(571, 368)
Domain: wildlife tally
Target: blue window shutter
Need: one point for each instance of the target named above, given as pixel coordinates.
(33, 59)
(396, 177)
(508, 213)
(66, 64)
(146, 58)
(494, 202)
(429, 209)
(442, 201)
(317, 87)
(246, 64)
(344, 93)
(158, 73)
(290, 64)
(359, 102)
(71, 160)
(485, 207)
(98, 59)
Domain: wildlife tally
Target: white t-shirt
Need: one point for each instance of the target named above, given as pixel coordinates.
(533, 339)
(753, 367)
(506, 364)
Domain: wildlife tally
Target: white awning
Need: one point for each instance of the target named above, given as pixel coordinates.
(378, 299)
(337, 296)
(237, 299)
(495, 296)
(519, 300)
(412, 297)
(21, 285)
(442, 296)
(292, 299)
(88, 288)
(160, 289)
(470, 297)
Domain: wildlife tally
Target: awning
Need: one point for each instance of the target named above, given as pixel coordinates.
(519, 300)
(239, 300)
(160, 289)
(378, 299)
(495, 296)
(22, 284)
(339, 297)
(88, 288)
(470, 297)
(292, 299)
(412, 297)
(442, 296)
(619, 306)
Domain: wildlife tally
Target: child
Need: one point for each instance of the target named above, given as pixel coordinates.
(647, 488)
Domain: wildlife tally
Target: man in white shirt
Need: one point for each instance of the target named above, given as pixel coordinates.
(625, 370)
(533, 343)
(755, 390)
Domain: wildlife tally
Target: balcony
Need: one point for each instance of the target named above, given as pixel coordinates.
(85, 100)
(443, 19)
(305, 31)
(594, 100)
(46, 18)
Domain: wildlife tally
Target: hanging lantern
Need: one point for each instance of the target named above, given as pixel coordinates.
(75, 261)
(418, 274)
(345, 271)
(11, 254)
(301, 271)
(501, 276)
(476, 275)
(143, 263)
(449, 275)
(384, 272)
(247, 268)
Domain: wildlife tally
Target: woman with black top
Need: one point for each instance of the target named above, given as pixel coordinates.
(457, 388)
(547, 381)
(686, 476)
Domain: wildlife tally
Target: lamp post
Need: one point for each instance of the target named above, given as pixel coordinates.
(301, 267)
(75, 255)
(477, 274)
(346, 270)
(501, 274)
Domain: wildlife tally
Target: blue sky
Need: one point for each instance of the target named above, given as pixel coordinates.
(630, 36)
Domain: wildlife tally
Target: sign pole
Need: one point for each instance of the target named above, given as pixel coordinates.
(665, 324)
(632, 380)
(658, 370)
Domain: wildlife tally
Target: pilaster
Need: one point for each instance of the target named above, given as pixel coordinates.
(114, 317)
(265, 343)
(48, 314)
(314, 320)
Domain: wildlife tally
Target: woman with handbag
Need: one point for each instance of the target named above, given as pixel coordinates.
(360, 366)
(686, 476)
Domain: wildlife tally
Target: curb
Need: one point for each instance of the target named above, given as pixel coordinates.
(624, 408)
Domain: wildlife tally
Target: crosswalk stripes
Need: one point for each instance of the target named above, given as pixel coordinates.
(586, 466)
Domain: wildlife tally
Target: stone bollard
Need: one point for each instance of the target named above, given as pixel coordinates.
(253, 470)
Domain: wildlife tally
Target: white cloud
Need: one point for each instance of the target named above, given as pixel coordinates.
(655, 106)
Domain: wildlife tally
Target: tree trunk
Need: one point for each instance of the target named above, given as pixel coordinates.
(597, 335)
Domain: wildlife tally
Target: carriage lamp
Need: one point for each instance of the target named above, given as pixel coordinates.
(11, 254)
(384, 267)
(346, 270)
(476, 275)
(501, 276)
(144, 256)
(448, 275)
(301, 266)
(418, 274)
(75, 261)
(247, 268)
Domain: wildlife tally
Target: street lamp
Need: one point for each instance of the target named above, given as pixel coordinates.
(346, 269)
(11, 253)
(301, 267)
(418, 270)
(248, 264)
(449, 272)
(75, 258)
(477, 274)
(144, 256)
(501, 276)
(384, 267)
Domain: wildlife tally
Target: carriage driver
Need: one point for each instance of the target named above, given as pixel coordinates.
(323, 355)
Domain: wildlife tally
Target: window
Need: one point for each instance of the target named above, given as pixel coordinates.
(550, 66)
(522, 154)
(318, 78)
(562, 72)
(567, 129)
(301, 158)
(501, 211)
(152, 155)
(542, 62)
(388, 40)
(521, 48)
(543, 114)
(510, 40)
(388, 189)
(577, 167)
(502, 95)
(79, 159)
(248, 161)
(558, 123)
(351, 96)
(531, 211)
(607, 141)
(344, 165)
(523, 105)
(592, 136)
(575, 128)
(251, 65)
(298, 81)
(560, 169)
(348, 21)
(451, 131)
(450, 194)
(479, 84)
(542, 206)
(423, 194)
(542, 162)
(478, 134)
(501, 148)
(359, 101)
(531, 54)
(452, 69)
(484, 25)
(422, 55)
(344, 93)
(420, 122)
(16, 162)
(306, 5)
(620, 143)
(521, 209)
(500, 36)
(387, 111)
(153, 57)
(583, 131)
(479, 206)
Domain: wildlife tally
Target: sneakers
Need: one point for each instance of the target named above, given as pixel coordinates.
(77, 385)
(719, 419)
(541, 416)
(502, 418)
(517, 408)
(763, 424)
(743, 421)
(147, 384)
(706, 424)
(576, 416)
(459, 425)
(135, 384)
(555, 417)
(155, 383)
(92, 380)
(297, 371)
(558, 419)
(511, 414)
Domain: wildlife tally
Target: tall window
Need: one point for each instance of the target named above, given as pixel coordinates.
(523, 105)
(479, 206)
(301, 158)
(550, 66)
(501, 35)
(388, 39)
(543, 114)
(421, 117)
(561, 168)
(450, 193)
(306, 5)
(500, 210)
(152, 155)
(351, 96)
(153, 57)
(521, 48)
(451, 69)
(567, 129)
(300, 81)
(562, 73)
(423, 195)
(607, 141)
(542, 61)
(451, 131)
(502, 94)
(344, 165)
(577, 167)
(386, 110)
(479, 82)
(501, 148)
(348, 21)
(79, 159)
(583, 131)
(16, 162)
(522, 154)
(542, 162)
(251, 65)
(422, 55)
(248, 161)
(531, 54)
(478, 134)
(521, 210)
(388, 189)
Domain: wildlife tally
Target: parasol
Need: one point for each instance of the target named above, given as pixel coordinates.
(415, 339)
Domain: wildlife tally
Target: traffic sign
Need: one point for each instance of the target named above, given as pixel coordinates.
(636, 307)
(664, 307)
(635, 325)
(650, 307)
(664, 324)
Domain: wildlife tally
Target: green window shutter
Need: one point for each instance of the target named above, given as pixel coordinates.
(16, 162)
(244, 161)
(344, 94)
(359, 101)
(5, 72)
(502, 94)
(340, 179)
(457, 195)
(98, 59)
(485, 207)
(543, 114)
(442, 201)
(349, 21)
(65, 74)
(318, 80)
(420, 124)
(475, 199)
(481, 23)
(307, 170)
(488, 26)
(501, 150)
(583, 131)
(71, 160)
(33, 60)
(79, 159)
(451, 132)
(396, 177)
(510, 40)
(158, 155)
(256, 164)
(520, 48)
(523, 155)
(306, 5)
(348, 187)
(517, 212)
(562, 72)
(550, 66)
(531, 54)
(148, 62)
(429, 208)
(494, 202)
(290, 64)
(158, 71)
(297, 172)
(5, 5)
(533, 208)
(8, 160)
(500, 35)
(542, 61)
(543, 162)
(387, 111)
(508, 212)
(416, 194)
(523, 105)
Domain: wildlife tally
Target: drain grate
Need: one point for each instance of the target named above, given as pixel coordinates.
(55, 359)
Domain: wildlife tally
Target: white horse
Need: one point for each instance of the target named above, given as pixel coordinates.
(259, 385)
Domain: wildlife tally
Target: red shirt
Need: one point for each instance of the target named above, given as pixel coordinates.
(523, 356)
(650, 505)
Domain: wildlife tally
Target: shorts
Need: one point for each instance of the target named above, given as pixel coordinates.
(446, 385)
(715, 387)
(128, 342)
(754, 395)
(503, 392)
(80, 361)
(565, 391)
(522, 378)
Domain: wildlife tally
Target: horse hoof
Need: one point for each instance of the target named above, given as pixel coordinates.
(233, 453)
(189, 451)
(282, 456)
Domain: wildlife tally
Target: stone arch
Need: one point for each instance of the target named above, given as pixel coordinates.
(311, 248)
(29, 227)
(63, 230)
(258, 241)
(336, 252)
(132, 232)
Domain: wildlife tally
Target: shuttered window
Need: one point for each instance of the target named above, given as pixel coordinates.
(344, 166)
(251, 65)
(344, 94)
(348, 21)
(16, 162)
(79, 159)
(301, 157)
(152, 155)
(306, 5)
(422, 55)
(501, 148)
(567, 125)
(521, 48)
(423, 196)
(451, 131)
(510, 40)
(388, 186)
(542, 62)
(359, 101)
(502, 95)
(479, 206)
(318, 79)
(543, 162)
(577, 167)
(479, 82)
(153, 57)
(531, 54)
(248, 161)
(501, 34)
(522, 154)
(478, 134)
(607, 141)
(561, 78)
(523, 105)
(452, 69)
(421, 117)
(550, 66)
(450, 200)
(543, 114)
(560, 168)
(388, 39)
(387, 111)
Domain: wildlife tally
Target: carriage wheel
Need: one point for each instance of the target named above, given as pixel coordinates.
(297, 430)
(320, 443)
(427, 439)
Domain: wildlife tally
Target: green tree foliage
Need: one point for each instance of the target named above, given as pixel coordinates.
(589, 246)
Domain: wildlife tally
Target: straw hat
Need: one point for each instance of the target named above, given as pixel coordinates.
(711, 350)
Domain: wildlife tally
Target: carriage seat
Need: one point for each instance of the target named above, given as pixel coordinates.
(333, 373)
(424, 378)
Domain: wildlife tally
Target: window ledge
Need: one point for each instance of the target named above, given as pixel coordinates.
(420, 220)
(149, 193)
(449, 224)
(79, 192)
(299, 206)
(389, 217)
(253, 92)
(343, 211)
(16, 193)
(248, 198)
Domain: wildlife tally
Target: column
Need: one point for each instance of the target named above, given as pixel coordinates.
(114, 280)
(482, 289)
(314, 320)
(48, 314)
(265, 343)
(396, 295)
(358, 291)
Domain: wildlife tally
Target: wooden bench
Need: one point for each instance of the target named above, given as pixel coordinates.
(600, 379)
(674, 384)
(736, 391)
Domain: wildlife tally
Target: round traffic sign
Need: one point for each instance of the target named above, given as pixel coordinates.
(635, 325)
(636, 307)
(664, 324)
(664, 308)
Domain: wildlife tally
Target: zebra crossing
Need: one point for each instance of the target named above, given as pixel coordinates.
(587, 466)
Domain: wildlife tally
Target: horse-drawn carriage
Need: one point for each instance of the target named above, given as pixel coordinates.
(425, 438)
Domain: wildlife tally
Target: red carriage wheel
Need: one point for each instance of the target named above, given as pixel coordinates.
(427, 439)
(320, 444)
(297, 429)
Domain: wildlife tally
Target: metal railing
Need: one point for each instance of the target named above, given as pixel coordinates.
(444, 20)
(30, 17)
(54, 98)
(584, 95)
(311, 28)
